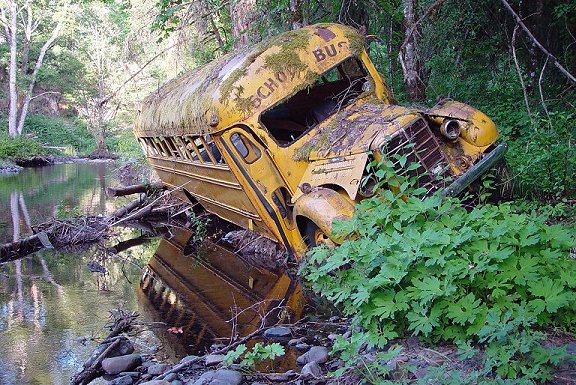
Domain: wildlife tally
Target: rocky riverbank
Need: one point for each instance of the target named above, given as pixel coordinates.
(14, 166)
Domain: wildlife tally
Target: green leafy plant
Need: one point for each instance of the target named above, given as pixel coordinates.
(259, 353)
(490, 276)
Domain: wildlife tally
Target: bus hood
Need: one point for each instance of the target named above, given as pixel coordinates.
(352, 130)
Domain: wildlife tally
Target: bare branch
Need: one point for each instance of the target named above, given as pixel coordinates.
(519, 70)
(544, 50)
(113, 94)
(542, 93)
(43, 93)
(414, 27)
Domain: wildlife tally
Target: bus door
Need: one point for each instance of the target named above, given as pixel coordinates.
(267, 187)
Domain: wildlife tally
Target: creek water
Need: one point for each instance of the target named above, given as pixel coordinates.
(54, 305)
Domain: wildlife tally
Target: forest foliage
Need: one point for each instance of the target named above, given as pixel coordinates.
(491, 279)
(110, 54)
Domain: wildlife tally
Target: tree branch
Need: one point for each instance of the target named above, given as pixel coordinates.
(43, 93)
(519, 70)
(113, 94)
(537, 43)
(413, 28)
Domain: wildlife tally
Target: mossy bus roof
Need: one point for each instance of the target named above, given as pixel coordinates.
(244, 83)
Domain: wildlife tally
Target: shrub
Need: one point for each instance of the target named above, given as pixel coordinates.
(428, 267)
(60, 132)
(19, 147)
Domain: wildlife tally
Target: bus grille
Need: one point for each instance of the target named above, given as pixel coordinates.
(420, 146)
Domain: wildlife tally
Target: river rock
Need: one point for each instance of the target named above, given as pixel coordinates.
(296, 341)
(155, 382)
(171, 377)
(115, 365)
(277, 332)
(122, 348)
(157, 369)
(188, 358)
(214, 359)
(318, 354)
(220, 377)
(311, 370)
(302, 347)
(9, 168)
(124, 380)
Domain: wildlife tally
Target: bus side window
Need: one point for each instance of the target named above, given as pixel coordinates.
(245, 148)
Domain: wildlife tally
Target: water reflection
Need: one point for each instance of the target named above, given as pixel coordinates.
(207, 292)
(37, 194)
(50, 301)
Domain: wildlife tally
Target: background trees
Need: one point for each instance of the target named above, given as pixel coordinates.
(91, 63)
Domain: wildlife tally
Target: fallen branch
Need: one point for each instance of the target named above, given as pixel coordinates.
(537, 43)
(121, 322)
(134, 189)
(14, 250)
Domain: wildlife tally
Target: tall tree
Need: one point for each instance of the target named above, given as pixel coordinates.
(242, 13)
(409, 55)
(28, 19)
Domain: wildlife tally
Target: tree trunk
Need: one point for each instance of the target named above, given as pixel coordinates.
(45, 47)
(297, 11)
(13, 110)
(411, 64)
(353, 13)
(242, 15)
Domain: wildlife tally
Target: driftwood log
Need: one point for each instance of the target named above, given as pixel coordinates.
(134, 189)
(153, 205)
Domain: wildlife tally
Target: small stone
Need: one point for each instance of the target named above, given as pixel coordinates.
(571, 348)
(158, 369)
(204, 379)
(229, 377)
(347, 335)
(176, 382)
(296, 341)
(311, 370)
(188, 358)
(334, 319)
(318, 354)
(302, 347)
(124, 380)
(278, 332)
(281, 377)
(220, 377)
(214, 359)
(122, 348)
(332, 336)
(115, 365)
(171, 377)
(155, 382)
(215, 347)
(131, 374)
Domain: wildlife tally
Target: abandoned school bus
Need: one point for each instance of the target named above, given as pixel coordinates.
(276, 138)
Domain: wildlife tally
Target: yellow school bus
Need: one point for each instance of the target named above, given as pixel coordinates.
(276, 137)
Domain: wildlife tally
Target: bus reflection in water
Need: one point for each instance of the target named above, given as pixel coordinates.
(211, 293)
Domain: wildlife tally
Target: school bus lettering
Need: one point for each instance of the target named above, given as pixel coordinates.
(328, 51)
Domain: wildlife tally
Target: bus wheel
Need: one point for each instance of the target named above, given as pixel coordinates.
(316, 237)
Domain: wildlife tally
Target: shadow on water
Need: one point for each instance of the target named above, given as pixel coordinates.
(206, 294)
